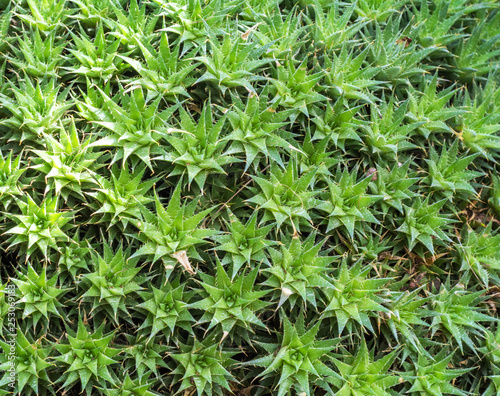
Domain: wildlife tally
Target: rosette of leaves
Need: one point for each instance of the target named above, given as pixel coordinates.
(97, 59)
(201, 366)
(36, 110)
(192, 21)
(45, 15)
(68, 163)
(138, 386)
(393, 186)
(233, 63)
(86, 357)
(428, 104)
(386, 134)
(432, 377)
(284, 196)
(281, 35)
(10, 174)
(297, 272)
(164, 73)
(166, 310)
(36, 56)
(132, 24)
(231, 305)
(113, 282)
(38, 296)
(346, 77)
(355, 297)
(404, 321)
(333, 27)
(479, 252)
(143, 357)
(120, 198)
(257, 130)
(347, 203)
(371, 247)
(297, 361)
(435, 27)
(457, 315)
(172, 234)
(475, 54)
(243, 243)
(423, 223)
(296, 88)
(72, 260)
(315, 156)
(398, 57)
(448, 174)
(39, 228)
(361, 374)
(134, 129)
(338, 123)
(478, 127)
(31, 363)
(199, 149)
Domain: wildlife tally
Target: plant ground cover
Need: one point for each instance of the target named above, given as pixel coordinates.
(268, 197)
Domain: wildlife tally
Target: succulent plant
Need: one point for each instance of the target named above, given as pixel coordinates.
(479, 253)
(118, 200)
(113, 279)
(135, 129)
(172, 234)
(10, 174)
(299, 359)
(36, 110)
(256, 131)
(448, 173)
(346, 202)
(167, 310)
(477, 127)
(198, 149)
(46, 15)
(143, 357)
(67, 163)
(86, 357)
(202, 367)
(39, 296)
(232, 63)
(296, 88)
(230, 304)
(285, 196)
(362, 375)
(355, 298)
(433, 377)
(297, 273)
(31, 363)
(37, 56)
(39, 227)
(423, 223)
(457, 315)
(98, 59)
(163, 74)
(243, 243)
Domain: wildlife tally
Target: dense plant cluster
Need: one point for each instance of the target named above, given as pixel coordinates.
(215, 197)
